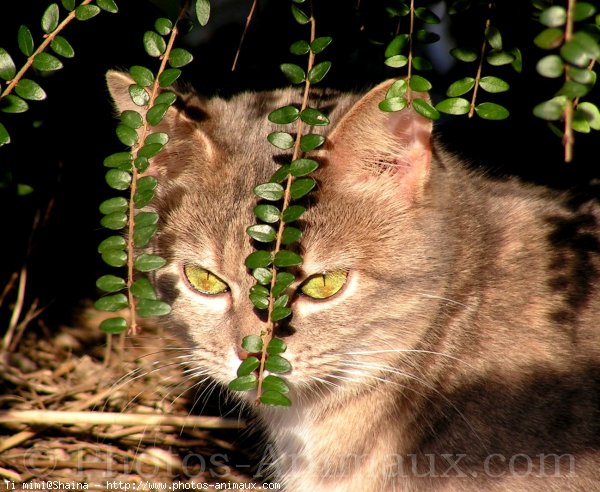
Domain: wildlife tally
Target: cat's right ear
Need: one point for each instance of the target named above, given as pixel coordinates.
(180, 123)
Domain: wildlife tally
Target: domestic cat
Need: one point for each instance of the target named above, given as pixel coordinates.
(462, 352)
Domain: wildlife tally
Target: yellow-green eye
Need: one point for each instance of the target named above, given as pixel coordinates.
(324, 285)
(204, 281)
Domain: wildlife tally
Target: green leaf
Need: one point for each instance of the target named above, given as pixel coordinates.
(293, 72)
(499, 58)
(168, 77)
(281, 301)
(148, 263)
(579, 123)
(419, 84)
(280, 313)
(150, 308)
(494, 38)
(252, 344)
(396, 45)
(573, 90)
(114, 257)
(582, 11)
(549, 39)
(314, 117)
(118, 159)
(267, 213)
(110, 283)
(493, 84)
(108, 5)
(281, 174)
(141, 75)
(68, 4)
(127, 135)
(166, 97)
(397, 89)
(259, 299)
(290, 235)
(460, 87)
(114, 221)
(318, 72)
(396, 61)
(300, 16)
(585, 43)
(311, 141)
(163, 26)
(28, 89)
(112, 243)
(275, 383)
(62, 47)
(425, 109)
(554, 16)
(150, 150)
(269, 191)
(277, 364)
(591, 113)
(550, 66)
(147, 183)
(319, 44)
(299, 48)
(248, 366)
(203, 11)
(582, 75)
(281, 140)
(292, 213)
(114, 326)
(86, 12)
(143, 234)
(13, 104)
(263, 233)
(50, 18)
(155, 115)
(285, 258)
(276, 346)
(454, 105)
(116, 204)
(426, 37)
(180, 57)
(282, 281)
(258, 259)
(142, 197)
(142, 163)
(262, 275)
(393, 104)
(24, 189)
(142, 289)
(466, 55)
(285, 115)
(4, 135)
(517, 63)
(138, 95)
(243, 383)
(132, 119)
(154, 43)
(421, 63)
(575, 54)
(25, 40)
(111, 303)
(301, 187)
(276, 399)
(302, 167)
(427, 15)
(491, 111)
(45, 62)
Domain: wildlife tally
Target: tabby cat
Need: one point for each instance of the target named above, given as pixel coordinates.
(445, 333)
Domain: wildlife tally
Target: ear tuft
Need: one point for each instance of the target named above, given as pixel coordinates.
(118, 85)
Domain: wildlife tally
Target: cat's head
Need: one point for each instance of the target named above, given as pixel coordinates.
(372, 258)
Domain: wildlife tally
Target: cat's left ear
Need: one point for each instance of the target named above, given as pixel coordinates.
(369, 143)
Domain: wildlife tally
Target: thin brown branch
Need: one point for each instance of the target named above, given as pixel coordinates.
(568, 137)
(488, 23)
(47, 40)
(18, 308)
(410, 45)
(248, 20)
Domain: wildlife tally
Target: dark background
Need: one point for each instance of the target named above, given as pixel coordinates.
(58, 145)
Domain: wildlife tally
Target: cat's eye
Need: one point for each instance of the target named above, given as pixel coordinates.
(324, 285)
(204, 281)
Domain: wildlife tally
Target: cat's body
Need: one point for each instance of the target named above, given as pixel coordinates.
(463, 352)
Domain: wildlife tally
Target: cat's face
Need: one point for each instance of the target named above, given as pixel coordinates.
(371, 267)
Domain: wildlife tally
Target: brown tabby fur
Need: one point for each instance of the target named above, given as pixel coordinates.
(463, 353)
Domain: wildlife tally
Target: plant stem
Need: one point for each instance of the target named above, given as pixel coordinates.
(488, 23)
(48, 39)
(133, 327)
(286, 201)
(568, 138)
(410, 47)
(248, 20)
